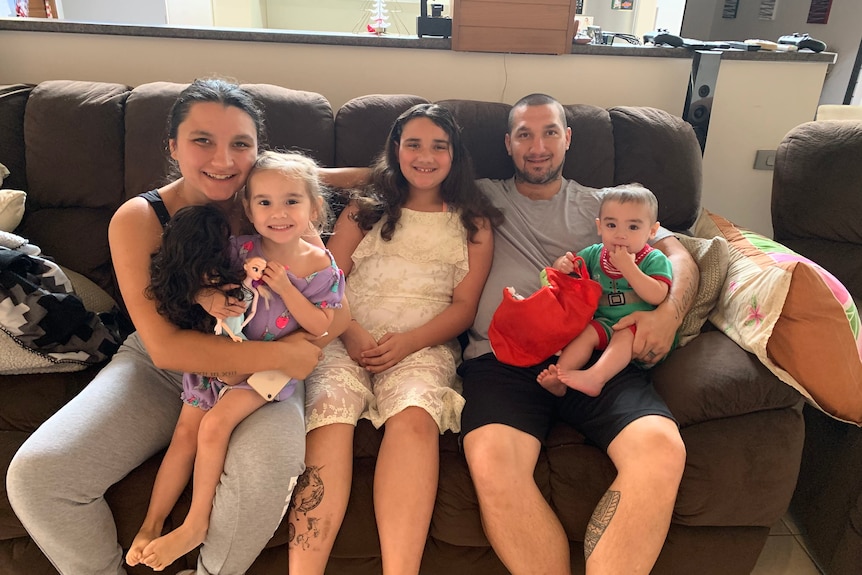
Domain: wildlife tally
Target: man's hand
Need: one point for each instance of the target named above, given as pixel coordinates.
(655, 333)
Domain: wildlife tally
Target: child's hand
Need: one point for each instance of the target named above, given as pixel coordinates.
(621, 259)
(565, 263)
(357, 340)
(217, 304)
(391, 348)
(275, 276)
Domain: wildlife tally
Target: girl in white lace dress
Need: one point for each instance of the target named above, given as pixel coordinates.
(416, 250)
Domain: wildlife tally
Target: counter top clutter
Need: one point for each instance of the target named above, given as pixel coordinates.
(384, 41)
(741, 424)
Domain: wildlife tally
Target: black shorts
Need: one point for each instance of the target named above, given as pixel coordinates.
(499, 393)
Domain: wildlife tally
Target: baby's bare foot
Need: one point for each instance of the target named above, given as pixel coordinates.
(165, 550)
(582, 380)
(549, 380)
(141, 540)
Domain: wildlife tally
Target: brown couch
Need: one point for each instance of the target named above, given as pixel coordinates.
(816, 202)
(80, 149)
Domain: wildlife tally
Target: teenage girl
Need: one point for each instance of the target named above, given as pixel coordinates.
(416, 251)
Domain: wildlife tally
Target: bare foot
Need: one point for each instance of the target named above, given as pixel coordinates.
(165, 550)
(584, 381)
(549, 380)
(141, 540)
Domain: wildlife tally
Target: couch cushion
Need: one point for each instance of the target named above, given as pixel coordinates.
(711, 257)
(13, 100)
(74, 136)
(11, 209)
(794, 315)
(590, 160)
(737, 384)
(147, 160)
(660, 151)
(297, 120)
(52, 228)
(74, 144)
(817, 196)
(818, 174)
(483, 131)
(293, 120)
(362, 125)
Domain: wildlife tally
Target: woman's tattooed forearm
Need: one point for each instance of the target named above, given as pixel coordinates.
(217, 374)
(602, 516)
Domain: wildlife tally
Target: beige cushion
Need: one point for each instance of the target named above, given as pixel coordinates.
(11, 209)
(95, 299)
(838, 112)
(711, 256)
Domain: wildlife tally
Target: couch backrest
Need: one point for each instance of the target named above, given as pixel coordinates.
(86, 147)
(609, 146)
(817, 196)
(79, 149)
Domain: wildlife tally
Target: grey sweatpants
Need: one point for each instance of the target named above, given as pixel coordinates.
(57, 480)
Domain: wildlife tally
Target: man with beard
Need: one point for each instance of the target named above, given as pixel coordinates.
(508, 414)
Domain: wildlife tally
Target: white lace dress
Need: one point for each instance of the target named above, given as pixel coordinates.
(396, 286)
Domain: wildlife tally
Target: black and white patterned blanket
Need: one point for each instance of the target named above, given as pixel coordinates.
(40, 311)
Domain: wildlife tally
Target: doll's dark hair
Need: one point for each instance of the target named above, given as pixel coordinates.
(195, 254)
(390, 190)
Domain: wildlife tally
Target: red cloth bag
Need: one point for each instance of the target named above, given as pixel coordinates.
(524, 332)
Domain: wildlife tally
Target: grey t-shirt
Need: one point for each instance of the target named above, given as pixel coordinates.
(533, 235)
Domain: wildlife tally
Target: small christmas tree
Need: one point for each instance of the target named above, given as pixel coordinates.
(379, 17)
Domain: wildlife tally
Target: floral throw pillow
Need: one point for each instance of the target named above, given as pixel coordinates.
(795, 316)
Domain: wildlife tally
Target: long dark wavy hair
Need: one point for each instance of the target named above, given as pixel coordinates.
(389, 189)
(195, 253)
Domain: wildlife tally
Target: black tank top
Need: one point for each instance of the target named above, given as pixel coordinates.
(158, 206)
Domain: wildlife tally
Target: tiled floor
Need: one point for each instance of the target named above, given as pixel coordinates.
(785, 552)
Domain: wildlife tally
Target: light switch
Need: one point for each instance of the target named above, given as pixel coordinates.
(764, 160)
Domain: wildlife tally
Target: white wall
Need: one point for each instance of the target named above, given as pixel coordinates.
(669, 14)
(841, 34)
(344, 72)
(747, 116)
(756, 102)
(112, 11)
(189, 12)
(239, 13)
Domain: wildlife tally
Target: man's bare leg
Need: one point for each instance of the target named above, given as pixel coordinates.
(522, 528)
(320, 498)
(629, 526)
(405, 487)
